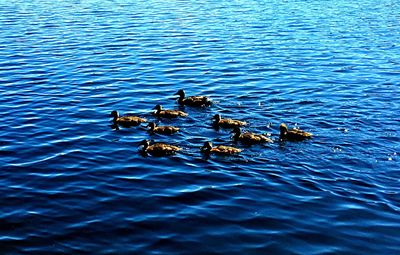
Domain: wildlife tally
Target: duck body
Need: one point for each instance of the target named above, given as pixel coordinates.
(254, 138)
(227, 123)
(220, 149)
(250, 138)
(168, 113)
(159, 149)
(166, 130)
(293, 134)
(127, 120)
(197, 101)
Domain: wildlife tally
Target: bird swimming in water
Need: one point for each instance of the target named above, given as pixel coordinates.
(220, 149)
(249, 138)
(168, 113)
(158, 149)
(227, 123)
(192, 100)
(166, 130)
(126, 120)
(293, 134)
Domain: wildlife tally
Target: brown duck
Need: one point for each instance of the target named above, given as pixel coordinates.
(293, 134)
(249, 138)
(126, 120)
(192, 100)
(168, 113)
(220, 149)
(166, 130)
(158, 149)
(227, 123)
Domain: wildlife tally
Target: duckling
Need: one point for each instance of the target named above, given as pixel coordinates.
(167, 130)
(249, 138)
(192, 100)
(168, 113)
(158, 149)
(293, 134)
(126, 120)
(227, 123)
(220, 149)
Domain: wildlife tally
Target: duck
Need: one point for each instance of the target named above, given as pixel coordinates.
(127, 120)
(168, 113)
(167, 130)
(293, 134)
(158, 149)
(192, 100)
(227, 123)
(220, 149)
(249, 138)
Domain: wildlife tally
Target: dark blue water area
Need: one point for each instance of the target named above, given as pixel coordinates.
(70, 184)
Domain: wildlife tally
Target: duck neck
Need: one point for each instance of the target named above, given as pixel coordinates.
(115, 116)
(145, 146)
(181, 97)
(236, 136)
(217, 119)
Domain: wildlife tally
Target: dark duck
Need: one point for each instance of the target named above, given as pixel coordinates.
(249, 138)
(166, 130)
(168, 113)
(227, 123)
(220, 149)
(126, 120)
(198, 101)
(158, 149)
(293, 134)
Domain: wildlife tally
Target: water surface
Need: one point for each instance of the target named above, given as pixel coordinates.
(71, 184)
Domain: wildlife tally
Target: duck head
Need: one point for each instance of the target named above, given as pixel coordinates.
(114, 114)
(180, 93)
(236, 133)
(217, 117)
(145, 144)
(152, 126)
(206, 147)
(284, 129)
(158, 108)
(206, 101)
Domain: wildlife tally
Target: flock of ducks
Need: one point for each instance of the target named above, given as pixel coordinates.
(163, 149)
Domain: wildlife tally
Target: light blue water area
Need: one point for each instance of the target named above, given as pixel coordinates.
(69, 183)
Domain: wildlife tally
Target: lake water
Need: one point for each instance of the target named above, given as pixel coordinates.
(69, 183)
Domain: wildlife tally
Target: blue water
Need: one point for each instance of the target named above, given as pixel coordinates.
(69, 183)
